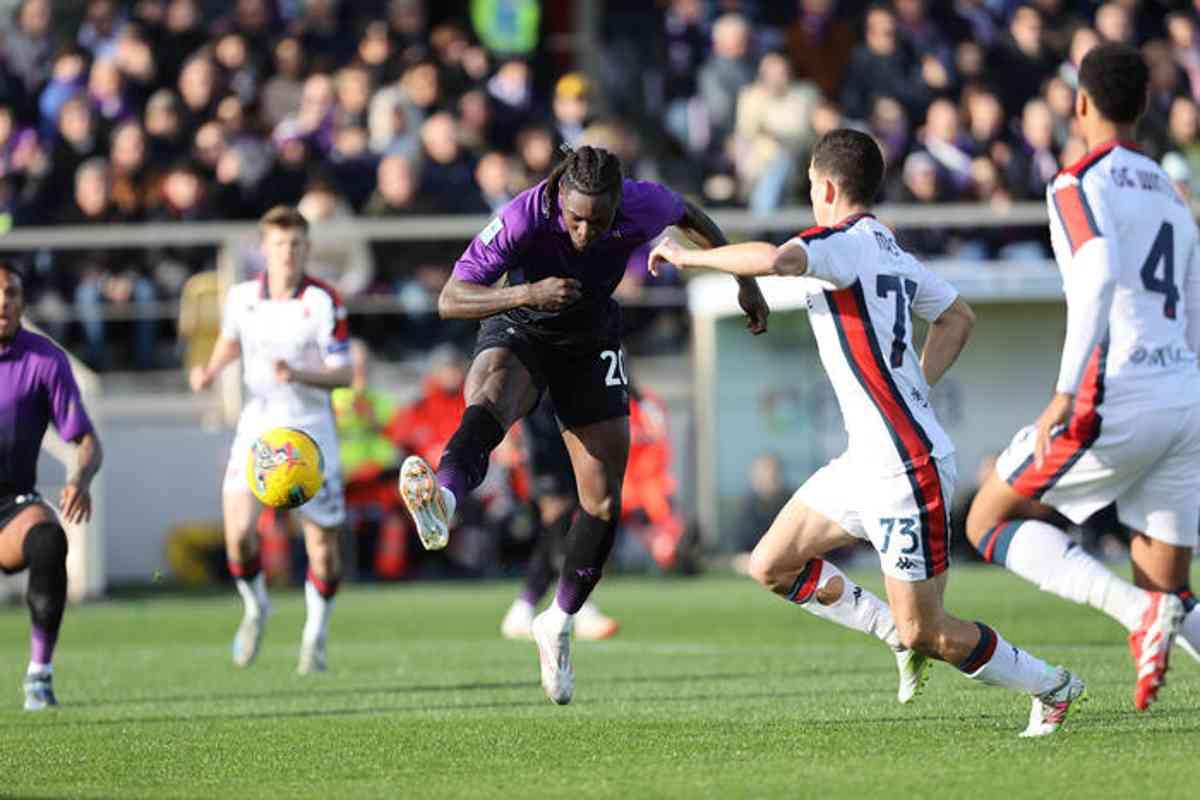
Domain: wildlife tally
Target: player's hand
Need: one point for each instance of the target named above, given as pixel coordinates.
(283, 371)
(199, 379)
(668, 251)
(755, 305)
(554, 294)
(1056, 414)
(75, 503)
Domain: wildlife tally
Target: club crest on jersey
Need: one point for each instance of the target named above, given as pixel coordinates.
(489, 233)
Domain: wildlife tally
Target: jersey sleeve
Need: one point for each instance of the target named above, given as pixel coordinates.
(230, 323)
(833, 255)
(66, 404)
(934, 295)
(655, 206)
(1089, 269)
(334, 333)
(494, 249)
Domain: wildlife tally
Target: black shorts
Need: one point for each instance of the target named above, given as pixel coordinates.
(13, 504)
(550, 471)
(586, 384)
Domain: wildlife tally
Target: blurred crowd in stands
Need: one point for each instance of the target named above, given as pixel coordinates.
(185, 110)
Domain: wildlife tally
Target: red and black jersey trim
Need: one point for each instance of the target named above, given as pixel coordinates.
(1080, 167)
(818, 232)
(1069, 444)
(341, 325)
(865, 358)
(1076, 215)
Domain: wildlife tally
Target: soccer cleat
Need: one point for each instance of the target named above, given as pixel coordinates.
(591, 624)
(431, 506)
(518, 622)
(914, 674)
(312, 657)
(554, 656)
(1150, 646)
(1050, 710)
(248, 637)
(39, 691)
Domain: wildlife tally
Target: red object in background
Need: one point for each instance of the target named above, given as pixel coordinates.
(649, 485)
(425, 427)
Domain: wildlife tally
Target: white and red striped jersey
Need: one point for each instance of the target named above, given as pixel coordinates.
(1126, 245)
(307, 330)
(862, 292)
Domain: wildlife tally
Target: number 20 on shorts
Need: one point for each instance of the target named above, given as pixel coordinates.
(616, 368)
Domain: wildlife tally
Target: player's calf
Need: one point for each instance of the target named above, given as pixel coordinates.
(45, 554)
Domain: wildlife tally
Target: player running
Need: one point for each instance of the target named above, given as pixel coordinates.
(37, 388)
(290, 332)
(552, 486)
(893, 484)
(553, 324)
(1124, 422)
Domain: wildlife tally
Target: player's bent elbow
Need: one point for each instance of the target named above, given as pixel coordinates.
(788, 261)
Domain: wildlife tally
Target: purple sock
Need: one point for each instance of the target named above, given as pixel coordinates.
(532, 595)
(450, 476)
(41, 645)
(589, 542)
(464, 462)
(575, 587)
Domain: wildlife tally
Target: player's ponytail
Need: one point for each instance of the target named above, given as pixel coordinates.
(587, 169)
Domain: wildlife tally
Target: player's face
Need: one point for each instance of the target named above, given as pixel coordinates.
(286, 250)
(586, 217)
(12, 304)
(823, 196)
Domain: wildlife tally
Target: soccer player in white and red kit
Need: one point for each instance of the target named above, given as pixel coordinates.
(1124, 423)
(290, 331)
(893, 484)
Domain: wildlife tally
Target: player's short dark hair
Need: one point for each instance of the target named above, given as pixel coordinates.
(853, 161)
(10, 269)
(285, 217)
(587, 169)
(1116, 77)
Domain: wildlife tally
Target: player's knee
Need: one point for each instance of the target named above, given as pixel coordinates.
(980, 519)
(605, 505)
(766, 572)
(45, 546)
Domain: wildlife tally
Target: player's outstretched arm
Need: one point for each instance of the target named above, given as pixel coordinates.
(322, 377)
(75, 502)
(947, 337)
(466, 300)
(701, 229)
(224, 353)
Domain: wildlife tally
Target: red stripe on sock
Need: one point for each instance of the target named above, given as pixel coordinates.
(326, 589)
(246, 570)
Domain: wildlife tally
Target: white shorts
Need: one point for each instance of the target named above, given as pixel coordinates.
(1146, 460)
(906, 517)
(328, 508)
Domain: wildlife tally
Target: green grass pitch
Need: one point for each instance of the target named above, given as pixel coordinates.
(712, 689)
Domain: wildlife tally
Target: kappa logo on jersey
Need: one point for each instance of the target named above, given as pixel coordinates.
(905, 563)
(489, 233)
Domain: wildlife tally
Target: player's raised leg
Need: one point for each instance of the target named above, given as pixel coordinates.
(33, 539)
(787, 561)
(599, 453)
(322, 543)
(499, 390)
(980, 652)
(1011, 530)
(241, 511)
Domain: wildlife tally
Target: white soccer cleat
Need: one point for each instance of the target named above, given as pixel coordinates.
(431, 506)
(1151, 644)
(249, 636)
(591, 624)
(914, 673)
(39, 691)
(554, 656)
(518, 622)
(1050, 710)
(312, 657)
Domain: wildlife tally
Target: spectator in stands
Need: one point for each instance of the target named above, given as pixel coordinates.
(397, 111)
(921, 33)
(819, 42)
(313, 121)
(1033, 164)
(1185, 47)
(20, 154)
(1081, 42)
(1022, 59)
(164, 127)
(182, 34)
(184, 197)
(475, 121)
(352, 86)
(1167, 82)
(881, 67)
(29, 46)
(943, 141)
(447, 173)
(198, 90)
(1060, 98)
(889, 125)
(683, 46)
(535, 155)
(101, 28)
(767, 496)
(727, 71)
(127, 159)
(920, 184)
(1113, 23)
(773, 132)
(514, 102)
(66, 80)
(408, 21)
(572, 106)
(493, 180)
(344, 263)
(1183, 127)
(984, 117)
(75, 142)
(281, 92)
(238, 72)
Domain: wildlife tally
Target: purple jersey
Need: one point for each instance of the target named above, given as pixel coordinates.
(527, 242)
(36, 388)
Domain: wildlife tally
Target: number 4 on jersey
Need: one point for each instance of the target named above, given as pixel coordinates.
(1162, 252)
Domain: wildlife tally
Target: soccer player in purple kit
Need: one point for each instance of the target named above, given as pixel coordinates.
(37, 388)
(553, 324)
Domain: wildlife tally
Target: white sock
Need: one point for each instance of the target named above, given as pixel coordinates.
(857, 607)
(319, 609)
(254, 594)
(35, 668)
(1043, 554)
(998, 663)
(451, 503)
